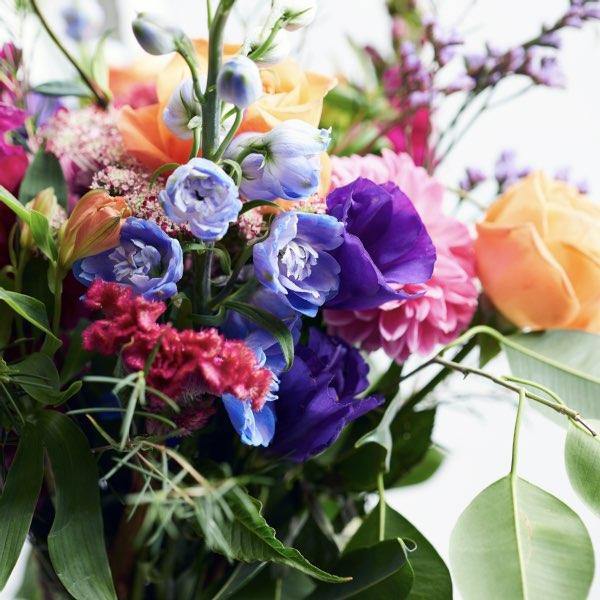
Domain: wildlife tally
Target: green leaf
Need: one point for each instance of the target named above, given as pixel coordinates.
(276, 327)
(389, 383)
(42, 235)
(565, 362)
(380, 572)
(63, 88)
(250, 539)
(9, 200)
(43, 172)
(424, 469)
(251, 204)
(582, 459)
(30, 309)
(518, 541)
(19, 499)
(76, 540)
(431, 576)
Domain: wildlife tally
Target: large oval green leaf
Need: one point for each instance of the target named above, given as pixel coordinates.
(565, 362)
(431, 576)
(76, 540)
(582, 458)
(516, 541)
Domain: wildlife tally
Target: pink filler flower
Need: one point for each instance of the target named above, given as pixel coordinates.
(449, 300)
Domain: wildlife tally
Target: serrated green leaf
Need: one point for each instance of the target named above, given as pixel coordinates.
(582, 459)
(251, 539)
(518, 542)
(431, 576)
(381, 572)
(19, 499)
(76, 540)
(276, 327)
(571, 370)
(43, 172)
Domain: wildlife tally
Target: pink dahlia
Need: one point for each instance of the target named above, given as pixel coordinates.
(448, 299)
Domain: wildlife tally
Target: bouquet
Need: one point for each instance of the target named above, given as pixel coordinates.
(232, 292)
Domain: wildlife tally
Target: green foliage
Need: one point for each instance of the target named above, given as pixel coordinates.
(76, 540)
(60, 88)
(43, 172)
(19, 498)
(517, 541)
(42, 235)
(379, 571)
(431, 576)
(9, 200)
(565, 362)
(582, 459)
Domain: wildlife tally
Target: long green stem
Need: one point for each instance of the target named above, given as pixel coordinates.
(101, 98)
(239, 114)
(58, 287)
(211, 117)
(23, 258)
(516, 434)
(382, 506)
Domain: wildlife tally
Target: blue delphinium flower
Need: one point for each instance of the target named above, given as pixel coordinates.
(183, 106)
(147, 260)
(295, 260)
(239, 82)
(256, 428)
(201, 195)
(318, 396)
(283, 163)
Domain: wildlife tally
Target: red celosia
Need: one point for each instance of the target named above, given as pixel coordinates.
(186, 362)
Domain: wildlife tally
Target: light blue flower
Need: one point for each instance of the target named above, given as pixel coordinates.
(255, 428)
(295, 260)
(239, 82)
(147, 260)
(283, 163)
(201, 195)
(182, 107)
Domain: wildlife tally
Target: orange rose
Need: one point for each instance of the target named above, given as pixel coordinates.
(290, 93)
(93, 227)
(538, 255)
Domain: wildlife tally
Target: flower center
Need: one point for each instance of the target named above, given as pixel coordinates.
(298, 258)
(134, 259)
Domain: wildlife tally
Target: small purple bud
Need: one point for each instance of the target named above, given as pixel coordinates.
(473, 177)
(551, 39)
(239, 82)
(462, 83)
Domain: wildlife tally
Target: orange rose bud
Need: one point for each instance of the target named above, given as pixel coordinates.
(538, 256)
(93, 227)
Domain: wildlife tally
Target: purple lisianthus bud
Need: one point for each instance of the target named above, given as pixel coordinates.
(386, 245)
(201, 195)
(183, 106)
(295, 260)
(283, 163)
(239, 82)
(154, 36)
(318, 397)
(146, 259)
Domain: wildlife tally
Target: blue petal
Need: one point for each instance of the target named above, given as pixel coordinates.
(254, 428)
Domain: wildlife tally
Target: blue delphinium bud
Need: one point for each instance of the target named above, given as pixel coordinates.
(83, 20)
(201, 195)
(239, 82)
(267, 55)
(295, 260)
(154, 36)
(283, 163)
(146, 259)
(297, 13)
(181, 109)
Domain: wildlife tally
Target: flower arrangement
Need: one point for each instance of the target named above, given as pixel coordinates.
(200, 256)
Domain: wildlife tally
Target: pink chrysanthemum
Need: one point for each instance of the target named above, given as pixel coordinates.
(449, 298)
(189, 366)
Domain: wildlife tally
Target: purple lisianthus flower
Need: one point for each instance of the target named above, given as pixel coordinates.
(317, 396)
(200, 194)
(386, 245)
(296, 260)
(147, 260)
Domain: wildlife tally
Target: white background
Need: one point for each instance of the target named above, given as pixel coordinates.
(549, 129)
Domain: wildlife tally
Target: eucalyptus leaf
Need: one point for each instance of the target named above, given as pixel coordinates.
(276, 327)
(43, 172)
(582, 459)
(517, 541)
(565, 362)
(19, 499)
(76, 540)
(381, 572)
(251, 539)
(60, 88)
(431, 576)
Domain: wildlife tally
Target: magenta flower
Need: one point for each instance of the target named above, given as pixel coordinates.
(13, 159)
(449, 297)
